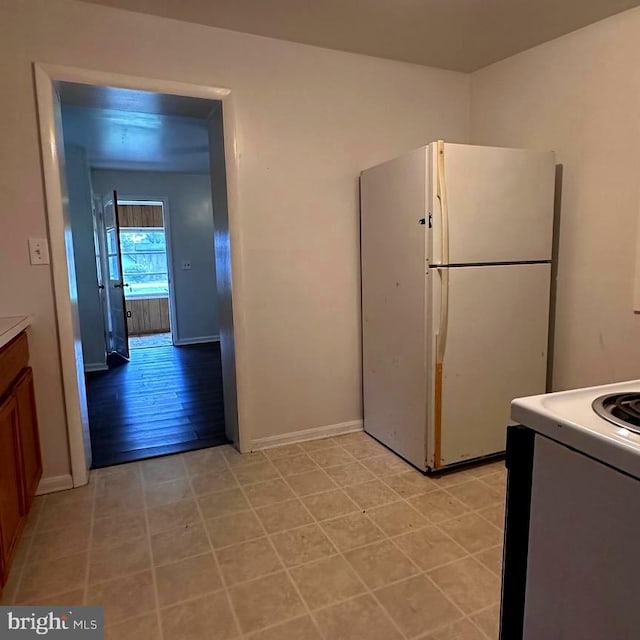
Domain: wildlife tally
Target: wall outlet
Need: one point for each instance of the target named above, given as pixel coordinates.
(186, 265)
(38, 251)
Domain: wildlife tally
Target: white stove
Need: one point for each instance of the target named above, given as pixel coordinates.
(603, 422)
(573, 505)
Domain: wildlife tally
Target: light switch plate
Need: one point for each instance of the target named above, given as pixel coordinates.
(186, 265)
(38, 251)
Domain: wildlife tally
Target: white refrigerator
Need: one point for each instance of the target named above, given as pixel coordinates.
(456, 247)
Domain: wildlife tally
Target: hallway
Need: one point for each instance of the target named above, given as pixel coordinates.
(165, 400)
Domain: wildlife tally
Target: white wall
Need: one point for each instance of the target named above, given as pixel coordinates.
(580, 95)
(308, 120)
(89, 306)
(191, 238)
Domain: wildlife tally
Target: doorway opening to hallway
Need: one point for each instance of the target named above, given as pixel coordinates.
(139, 182)
(145, 271)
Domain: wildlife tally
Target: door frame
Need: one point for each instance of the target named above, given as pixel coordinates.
(166, 224)
(46, 77)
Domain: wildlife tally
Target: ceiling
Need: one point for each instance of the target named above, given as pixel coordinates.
(116, 98)
(463, 35)
(134, 130)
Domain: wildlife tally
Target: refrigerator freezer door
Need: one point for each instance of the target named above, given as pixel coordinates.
(496, 350)
(500, 204)
(393, 201)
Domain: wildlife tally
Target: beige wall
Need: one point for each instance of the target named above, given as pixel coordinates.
(308, 121)
(580, 95)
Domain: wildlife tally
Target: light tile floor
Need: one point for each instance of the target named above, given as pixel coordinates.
(332, 539)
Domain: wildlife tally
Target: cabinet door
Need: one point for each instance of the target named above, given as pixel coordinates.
(10, 486)
(29, 439)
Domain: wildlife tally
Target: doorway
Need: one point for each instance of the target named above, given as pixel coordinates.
(157, 397)
(154, 398)
(50, 83)
(146, 259)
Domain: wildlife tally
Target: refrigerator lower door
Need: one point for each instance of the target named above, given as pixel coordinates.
(497, 321)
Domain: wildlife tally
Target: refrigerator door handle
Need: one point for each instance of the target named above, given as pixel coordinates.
(441, 338)
(441, 341)
(444, 273)
(441, 186)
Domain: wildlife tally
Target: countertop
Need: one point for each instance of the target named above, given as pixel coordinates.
(11, 327)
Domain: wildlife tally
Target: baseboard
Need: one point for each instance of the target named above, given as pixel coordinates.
(317, 433)
(55, 483)
(197, 340)
(97, 366)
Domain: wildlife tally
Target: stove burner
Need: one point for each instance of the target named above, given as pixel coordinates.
(621, 409)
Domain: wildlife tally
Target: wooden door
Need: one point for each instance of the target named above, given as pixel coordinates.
(29, 438)
(10, 484)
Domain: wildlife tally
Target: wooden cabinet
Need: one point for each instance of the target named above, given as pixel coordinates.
(29, 438)
(11, 512)
(20, 462)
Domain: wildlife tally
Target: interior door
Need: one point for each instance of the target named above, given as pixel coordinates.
(500, 204)
(495, 351)
(118, 338)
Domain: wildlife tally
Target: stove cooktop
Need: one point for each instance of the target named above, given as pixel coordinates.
(603, 422)
(621, 409)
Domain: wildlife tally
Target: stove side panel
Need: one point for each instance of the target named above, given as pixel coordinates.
(583, 559)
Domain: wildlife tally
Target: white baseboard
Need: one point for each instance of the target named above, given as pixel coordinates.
(55, 483)
(317, 433)
(96, 366)
(197, 340)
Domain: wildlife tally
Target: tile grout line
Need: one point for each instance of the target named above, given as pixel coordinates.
(424, 573)
(14, 595)
(154, 580)
(409, 468)
(366, 586)
(433, 582)
(467, 554)
(279, 476)
(277, 554)
(302, 564)
(214, 552)
(85, 591)
(428, 523)
(475, 613)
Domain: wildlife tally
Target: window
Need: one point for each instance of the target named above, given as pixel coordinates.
(144, 262)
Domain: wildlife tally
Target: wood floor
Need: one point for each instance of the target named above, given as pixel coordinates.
(165, 400)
